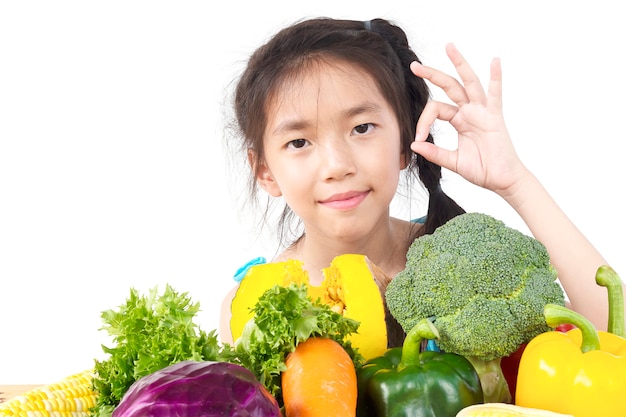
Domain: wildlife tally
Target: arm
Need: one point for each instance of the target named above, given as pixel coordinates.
(486, 157)
(224, 331)
(574, 257)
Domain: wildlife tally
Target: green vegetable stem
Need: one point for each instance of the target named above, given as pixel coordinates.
(556, 315)
(492, 379)
(404, 382)
(607, 277)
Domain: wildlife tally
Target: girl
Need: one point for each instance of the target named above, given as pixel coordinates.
(332, 112)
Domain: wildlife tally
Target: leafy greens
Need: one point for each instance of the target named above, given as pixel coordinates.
(150, 332)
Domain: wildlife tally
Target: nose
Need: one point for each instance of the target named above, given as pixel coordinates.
(337, 160)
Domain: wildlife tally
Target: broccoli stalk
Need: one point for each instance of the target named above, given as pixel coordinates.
(492, 380)
(484, 285)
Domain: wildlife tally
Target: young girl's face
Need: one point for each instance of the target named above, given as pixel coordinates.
(332, 149)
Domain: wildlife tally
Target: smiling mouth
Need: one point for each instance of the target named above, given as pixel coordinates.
(345, 201)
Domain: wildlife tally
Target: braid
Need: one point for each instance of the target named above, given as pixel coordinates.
(441, 207)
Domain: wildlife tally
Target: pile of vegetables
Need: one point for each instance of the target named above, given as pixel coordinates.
(472, 293)
(484, 285)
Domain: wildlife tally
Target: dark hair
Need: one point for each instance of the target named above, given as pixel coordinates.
(381, 49)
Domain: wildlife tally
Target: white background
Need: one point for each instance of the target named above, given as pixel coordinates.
(112, 171)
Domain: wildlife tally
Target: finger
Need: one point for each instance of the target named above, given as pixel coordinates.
(435, 154)
(432, 111)
(473, 88)
(450, 85)
(494, 93)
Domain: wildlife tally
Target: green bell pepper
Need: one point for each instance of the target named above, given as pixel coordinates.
(406, 383)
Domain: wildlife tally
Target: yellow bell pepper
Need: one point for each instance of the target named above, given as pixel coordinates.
(581, 372)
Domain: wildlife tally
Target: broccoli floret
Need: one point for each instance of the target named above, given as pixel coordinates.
(483, 283)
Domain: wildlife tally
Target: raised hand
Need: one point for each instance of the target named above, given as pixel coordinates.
(485, 154)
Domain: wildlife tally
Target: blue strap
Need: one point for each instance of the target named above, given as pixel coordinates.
(420, 220)
(431, 345)
(241, 272)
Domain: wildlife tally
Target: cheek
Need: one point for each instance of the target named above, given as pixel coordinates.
(387, 165)
(389, 161)
(293, 179)
(391, 178)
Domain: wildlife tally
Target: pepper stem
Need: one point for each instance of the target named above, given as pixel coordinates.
(424, 329)
(607, 277)
(556, 315)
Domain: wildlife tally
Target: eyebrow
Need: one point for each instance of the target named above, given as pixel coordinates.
(298, 124)
(367, 107)
(290, 125)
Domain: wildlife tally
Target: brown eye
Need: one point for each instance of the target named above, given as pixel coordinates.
(363, 128)
(297, 143)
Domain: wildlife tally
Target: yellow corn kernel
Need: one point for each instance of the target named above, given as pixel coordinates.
(71, 397)
(505, 410)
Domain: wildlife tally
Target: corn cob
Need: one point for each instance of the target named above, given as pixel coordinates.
(71, 397)
(505, 410)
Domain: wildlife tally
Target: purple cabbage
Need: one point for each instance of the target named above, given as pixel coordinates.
(191, 389)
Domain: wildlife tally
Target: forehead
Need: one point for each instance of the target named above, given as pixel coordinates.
(323, 83)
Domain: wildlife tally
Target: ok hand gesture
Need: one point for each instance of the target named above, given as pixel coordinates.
(485, 154)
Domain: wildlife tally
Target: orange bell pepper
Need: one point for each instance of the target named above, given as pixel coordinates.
(583, 371)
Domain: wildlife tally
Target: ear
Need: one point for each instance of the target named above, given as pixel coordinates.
(264, 176)
(405, 159)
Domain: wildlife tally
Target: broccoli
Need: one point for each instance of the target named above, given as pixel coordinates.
(484, 285)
